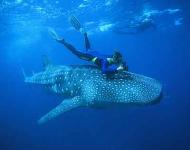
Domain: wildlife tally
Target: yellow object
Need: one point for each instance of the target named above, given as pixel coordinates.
(94, 59)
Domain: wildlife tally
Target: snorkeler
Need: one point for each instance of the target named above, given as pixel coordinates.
(108, 64)
(135, 26)
(144, 22)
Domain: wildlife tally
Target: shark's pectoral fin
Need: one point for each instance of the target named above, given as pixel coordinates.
(66, 105)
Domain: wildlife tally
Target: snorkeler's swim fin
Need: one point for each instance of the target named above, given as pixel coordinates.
(76, 24)
(54, 35)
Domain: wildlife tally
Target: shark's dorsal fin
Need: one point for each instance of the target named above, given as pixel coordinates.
(66, 105)
(46, 62)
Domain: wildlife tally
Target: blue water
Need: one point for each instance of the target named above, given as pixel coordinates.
(162, 54)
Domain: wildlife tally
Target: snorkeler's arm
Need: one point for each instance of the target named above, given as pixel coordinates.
(108, 69)
(123, 66)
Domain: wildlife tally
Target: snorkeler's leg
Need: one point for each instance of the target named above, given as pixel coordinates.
(61, 40)
(76, 52)
(87, 42)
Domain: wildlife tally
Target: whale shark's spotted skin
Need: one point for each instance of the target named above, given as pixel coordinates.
(87, 86)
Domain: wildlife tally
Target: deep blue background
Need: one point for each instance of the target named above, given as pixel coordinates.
(162, 54)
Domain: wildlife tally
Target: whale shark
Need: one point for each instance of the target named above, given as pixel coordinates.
(86, 86)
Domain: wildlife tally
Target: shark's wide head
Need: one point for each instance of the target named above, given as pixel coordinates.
(87, 86)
